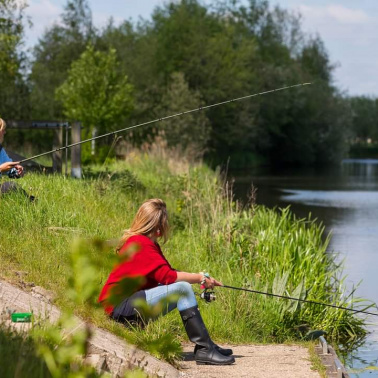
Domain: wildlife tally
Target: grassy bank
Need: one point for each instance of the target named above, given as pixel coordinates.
(250, 247)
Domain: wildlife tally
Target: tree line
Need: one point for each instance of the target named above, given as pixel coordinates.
(188, 54)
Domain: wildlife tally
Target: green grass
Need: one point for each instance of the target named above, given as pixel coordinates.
(316, 361)
(252, 247)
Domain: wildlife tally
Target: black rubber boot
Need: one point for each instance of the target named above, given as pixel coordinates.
(224, 351)
(206, 353)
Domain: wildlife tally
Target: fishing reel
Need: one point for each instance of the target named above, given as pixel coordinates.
(208, 296)
(13, 173)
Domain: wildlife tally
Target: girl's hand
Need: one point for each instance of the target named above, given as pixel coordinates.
(211, 282)
(20, 170)
(8, 165)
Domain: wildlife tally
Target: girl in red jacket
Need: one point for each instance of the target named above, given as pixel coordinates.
(161, 281)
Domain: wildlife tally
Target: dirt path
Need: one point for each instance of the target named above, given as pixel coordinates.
(255, 361)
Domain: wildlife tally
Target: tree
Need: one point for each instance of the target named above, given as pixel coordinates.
(190, 53)
(227, 51)
(95, 93)
(190, 130)
(216, 55)
(60, 45)
(364, 113)
(14, 94)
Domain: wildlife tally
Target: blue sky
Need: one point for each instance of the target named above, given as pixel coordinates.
(349, 29)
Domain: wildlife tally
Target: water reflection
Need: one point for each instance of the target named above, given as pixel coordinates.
(346, 201)
(338, 199)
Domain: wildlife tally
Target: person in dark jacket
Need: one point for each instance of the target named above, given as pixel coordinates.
(160, 280)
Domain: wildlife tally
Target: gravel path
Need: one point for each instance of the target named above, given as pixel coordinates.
(255, 361)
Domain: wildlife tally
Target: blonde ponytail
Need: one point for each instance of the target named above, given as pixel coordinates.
(151, 216)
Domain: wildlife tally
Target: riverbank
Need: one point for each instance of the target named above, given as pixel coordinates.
(244, 247)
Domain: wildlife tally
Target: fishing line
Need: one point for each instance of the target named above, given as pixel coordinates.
(299, 300)
(164, 118)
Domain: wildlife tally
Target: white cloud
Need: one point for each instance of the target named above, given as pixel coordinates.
(336, 13)
(43, 13)
(347, 15)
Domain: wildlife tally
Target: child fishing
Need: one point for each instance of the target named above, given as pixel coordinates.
(161, 281)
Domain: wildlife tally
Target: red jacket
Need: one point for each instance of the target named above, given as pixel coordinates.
(148, 262)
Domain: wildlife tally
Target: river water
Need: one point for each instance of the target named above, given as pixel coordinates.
(345, 200)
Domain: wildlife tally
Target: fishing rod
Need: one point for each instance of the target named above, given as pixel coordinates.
(209, 296)
(163, 119)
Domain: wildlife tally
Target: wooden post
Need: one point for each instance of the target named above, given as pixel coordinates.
(57, 156)
(76, 150)
(67, 126)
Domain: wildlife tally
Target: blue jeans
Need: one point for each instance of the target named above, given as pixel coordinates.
(160, 293)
